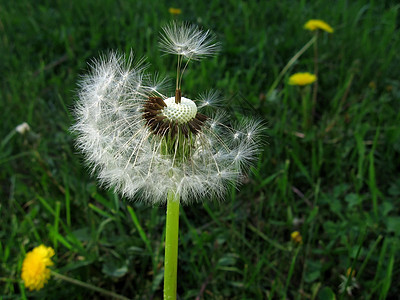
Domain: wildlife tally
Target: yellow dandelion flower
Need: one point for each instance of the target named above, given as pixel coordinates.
(35, 271)
(318, 24)
(174, 11)
(296, 237)
(372, 85)
(353, 272)
(302, 78)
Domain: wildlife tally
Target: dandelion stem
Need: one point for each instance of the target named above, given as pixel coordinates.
(183, 71)
(315, 90)
(291, 269)
(88, 286)
(178, 67)
(289, 64)
(305, 95)
(171, 246)
(178, 93)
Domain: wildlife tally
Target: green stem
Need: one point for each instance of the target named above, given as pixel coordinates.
(171, 246)
(289, 64)
(315, 90)
(305, 107)
(291, 269)
(88, 286)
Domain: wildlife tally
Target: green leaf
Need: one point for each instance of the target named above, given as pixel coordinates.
(393, 224)
(313, 214)
(110, 268)
(82, 234)
(353, 200)
(227, 260)
(386, 207)
(312, 276)
(326, 293)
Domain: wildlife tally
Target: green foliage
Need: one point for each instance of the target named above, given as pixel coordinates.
(335, 182)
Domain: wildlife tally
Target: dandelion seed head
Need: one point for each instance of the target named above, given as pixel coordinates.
(188, 40)
(23, 128)
(144, 144)
(179, 112)
(348, 282)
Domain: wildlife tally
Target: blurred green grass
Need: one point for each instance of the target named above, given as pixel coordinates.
(336, 183)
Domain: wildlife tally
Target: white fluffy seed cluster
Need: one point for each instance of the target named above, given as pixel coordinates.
(182, 112)
(188, 40)
(125, 153)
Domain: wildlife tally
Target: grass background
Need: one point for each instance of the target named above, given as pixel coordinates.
(337, 183)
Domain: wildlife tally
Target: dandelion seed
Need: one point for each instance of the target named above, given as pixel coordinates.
(35, 271)
(209, 99)
(302, 79)
(318, 24)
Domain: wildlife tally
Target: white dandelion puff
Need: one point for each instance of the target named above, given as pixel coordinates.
(188, 40)
(23, 128)
(145, 144)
